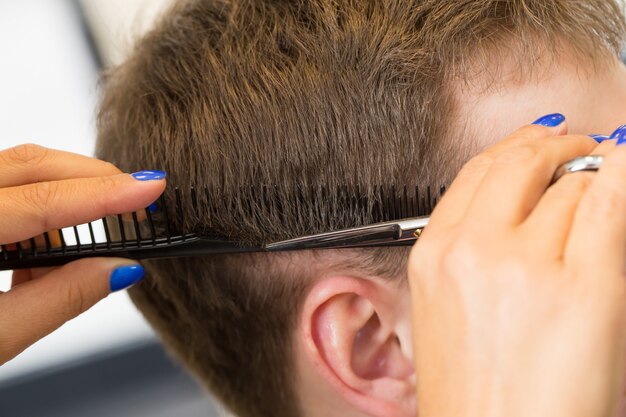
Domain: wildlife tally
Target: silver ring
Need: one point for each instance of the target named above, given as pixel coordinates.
(580, 164)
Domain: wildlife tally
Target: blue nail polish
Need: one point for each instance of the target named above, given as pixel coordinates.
(551, 120)
(153, 207)
(125, 276)
(599, 138)
(620, 135)
(148, 175)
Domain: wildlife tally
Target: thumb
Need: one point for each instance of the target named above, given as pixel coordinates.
(35, 308)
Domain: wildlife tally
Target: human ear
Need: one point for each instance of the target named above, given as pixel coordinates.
(356, 335)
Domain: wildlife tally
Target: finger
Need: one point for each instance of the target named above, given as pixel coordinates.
(21, 276)
(598, 236)
(25, 164)
(519, 176)
(551, 220)
(30, 311)
(30, 210)
(454, 204)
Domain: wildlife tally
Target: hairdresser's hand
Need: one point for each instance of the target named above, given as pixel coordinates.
(43, 190)
(518, 294)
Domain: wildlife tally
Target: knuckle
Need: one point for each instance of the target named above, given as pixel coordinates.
(29, 154)
(461, 256)
(75, 299)
(604, 203)
(109, 167)
(573, 184)
(425, 253)
(523, 154)
(40, 196)
(478, 163)
(107, 182)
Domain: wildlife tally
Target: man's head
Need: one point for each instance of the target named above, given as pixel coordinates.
(235, 95)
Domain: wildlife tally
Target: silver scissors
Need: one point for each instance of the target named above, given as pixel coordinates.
(401, 232)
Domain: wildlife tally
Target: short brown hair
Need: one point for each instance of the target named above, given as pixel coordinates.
(233, 94)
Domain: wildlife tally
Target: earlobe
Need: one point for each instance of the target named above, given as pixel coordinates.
(351, 329)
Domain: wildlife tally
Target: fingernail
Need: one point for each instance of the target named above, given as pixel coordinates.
(551, 120)
(620, 135)
(599, 138)
(153, 207)
(148, 175)
(125, 276)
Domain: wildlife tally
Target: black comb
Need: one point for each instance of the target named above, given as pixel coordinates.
(397, 214)
(160, 234)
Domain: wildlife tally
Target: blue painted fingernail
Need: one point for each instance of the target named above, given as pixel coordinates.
(148, 175)
(599, 138)
(551, 120)
(125, 276)
(153, 207)
(620, 135)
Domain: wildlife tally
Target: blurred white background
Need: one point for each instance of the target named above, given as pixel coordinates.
(48, 96)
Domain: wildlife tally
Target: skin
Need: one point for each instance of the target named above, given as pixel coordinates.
(549, 265)
(501, 264)
(530, 310)
(43, 190)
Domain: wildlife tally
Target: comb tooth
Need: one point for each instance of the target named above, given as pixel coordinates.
(340, 201)
(349, 203)
(33, 247)
(304, 204)
(63, 244)
(179, 211)
(253, 198)
(325, 197)
(151, 224)
(20, 251)
(397, 201)
(317, 206)
(337, 201)
(381, 205)
(405, 206)
(207, 198)
(92, 236)
(391, 206)
(430, 206)
(46, 239)
(77, 238)
(300, 203)
(279, 207)
(166, 218)
(5, 253)
(354, 211)
(442, 190)
(137, 232)
(107, 232)
(417, 201)
(310, 204)
(194, 199)
(120, 224)
(359, 208)
(265, 201)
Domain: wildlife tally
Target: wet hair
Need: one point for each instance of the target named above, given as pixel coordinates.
(237, 94)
